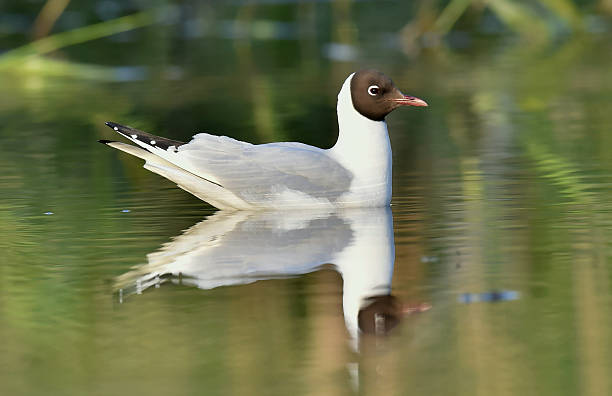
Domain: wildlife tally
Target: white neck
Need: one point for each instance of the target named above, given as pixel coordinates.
(363, 148)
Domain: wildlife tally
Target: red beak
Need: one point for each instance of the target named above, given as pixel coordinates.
(410, 101)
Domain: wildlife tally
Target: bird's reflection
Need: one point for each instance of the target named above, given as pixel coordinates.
(243, 247)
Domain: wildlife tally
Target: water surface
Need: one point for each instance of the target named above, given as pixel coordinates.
(500, 222)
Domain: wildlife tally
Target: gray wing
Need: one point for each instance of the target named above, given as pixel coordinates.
(256, 172)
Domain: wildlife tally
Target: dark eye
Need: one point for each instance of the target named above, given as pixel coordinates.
(373, 90)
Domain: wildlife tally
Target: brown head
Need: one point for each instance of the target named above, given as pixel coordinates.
(374, 95)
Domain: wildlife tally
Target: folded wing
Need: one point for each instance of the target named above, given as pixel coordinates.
(230, 173)
(262, 173)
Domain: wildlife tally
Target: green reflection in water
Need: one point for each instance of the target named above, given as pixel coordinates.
(502, 184)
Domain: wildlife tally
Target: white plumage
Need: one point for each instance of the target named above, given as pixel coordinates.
(231, 174)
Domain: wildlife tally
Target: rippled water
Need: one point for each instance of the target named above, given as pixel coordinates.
(495, 252)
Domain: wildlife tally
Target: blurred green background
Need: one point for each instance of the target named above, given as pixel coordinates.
(503, 183)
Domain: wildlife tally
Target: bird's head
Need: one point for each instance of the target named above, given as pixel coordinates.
(374, 95)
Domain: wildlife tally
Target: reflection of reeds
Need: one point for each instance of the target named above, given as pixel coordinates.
(76, 36)
(47, 17)
(535, 21)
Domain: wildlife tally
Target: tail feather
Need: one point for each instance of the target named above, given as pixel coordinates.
(133, 150)
(202, 188)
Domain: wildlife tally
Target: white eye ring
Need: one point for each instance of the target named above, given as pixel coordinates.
(373, 90)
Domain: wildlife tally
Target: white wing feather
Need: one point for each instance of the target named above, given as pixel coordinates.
(259, 173)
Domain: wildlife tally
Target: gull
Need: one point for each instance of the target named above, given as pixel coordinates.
(230, 174)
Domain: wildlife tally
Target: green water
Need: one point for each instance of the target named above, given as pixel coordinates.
(501, 186)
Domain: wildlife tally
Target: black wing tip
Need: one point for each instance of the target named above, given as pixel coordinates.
(104, 141)
(144, 137)
(115, 126)
(122, 129)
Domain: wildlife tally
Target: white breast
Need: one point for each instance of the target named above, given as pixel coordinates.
(363, 148)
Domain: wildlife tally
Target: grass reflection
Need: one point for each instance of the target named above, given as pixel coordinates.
(81, 35)
(503, 182)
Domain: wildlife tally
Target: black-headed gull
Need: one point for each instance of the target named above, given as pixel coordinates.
(230, 174)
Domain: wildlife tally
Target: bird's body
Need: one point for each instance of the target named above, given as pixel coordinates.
(230, 174)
